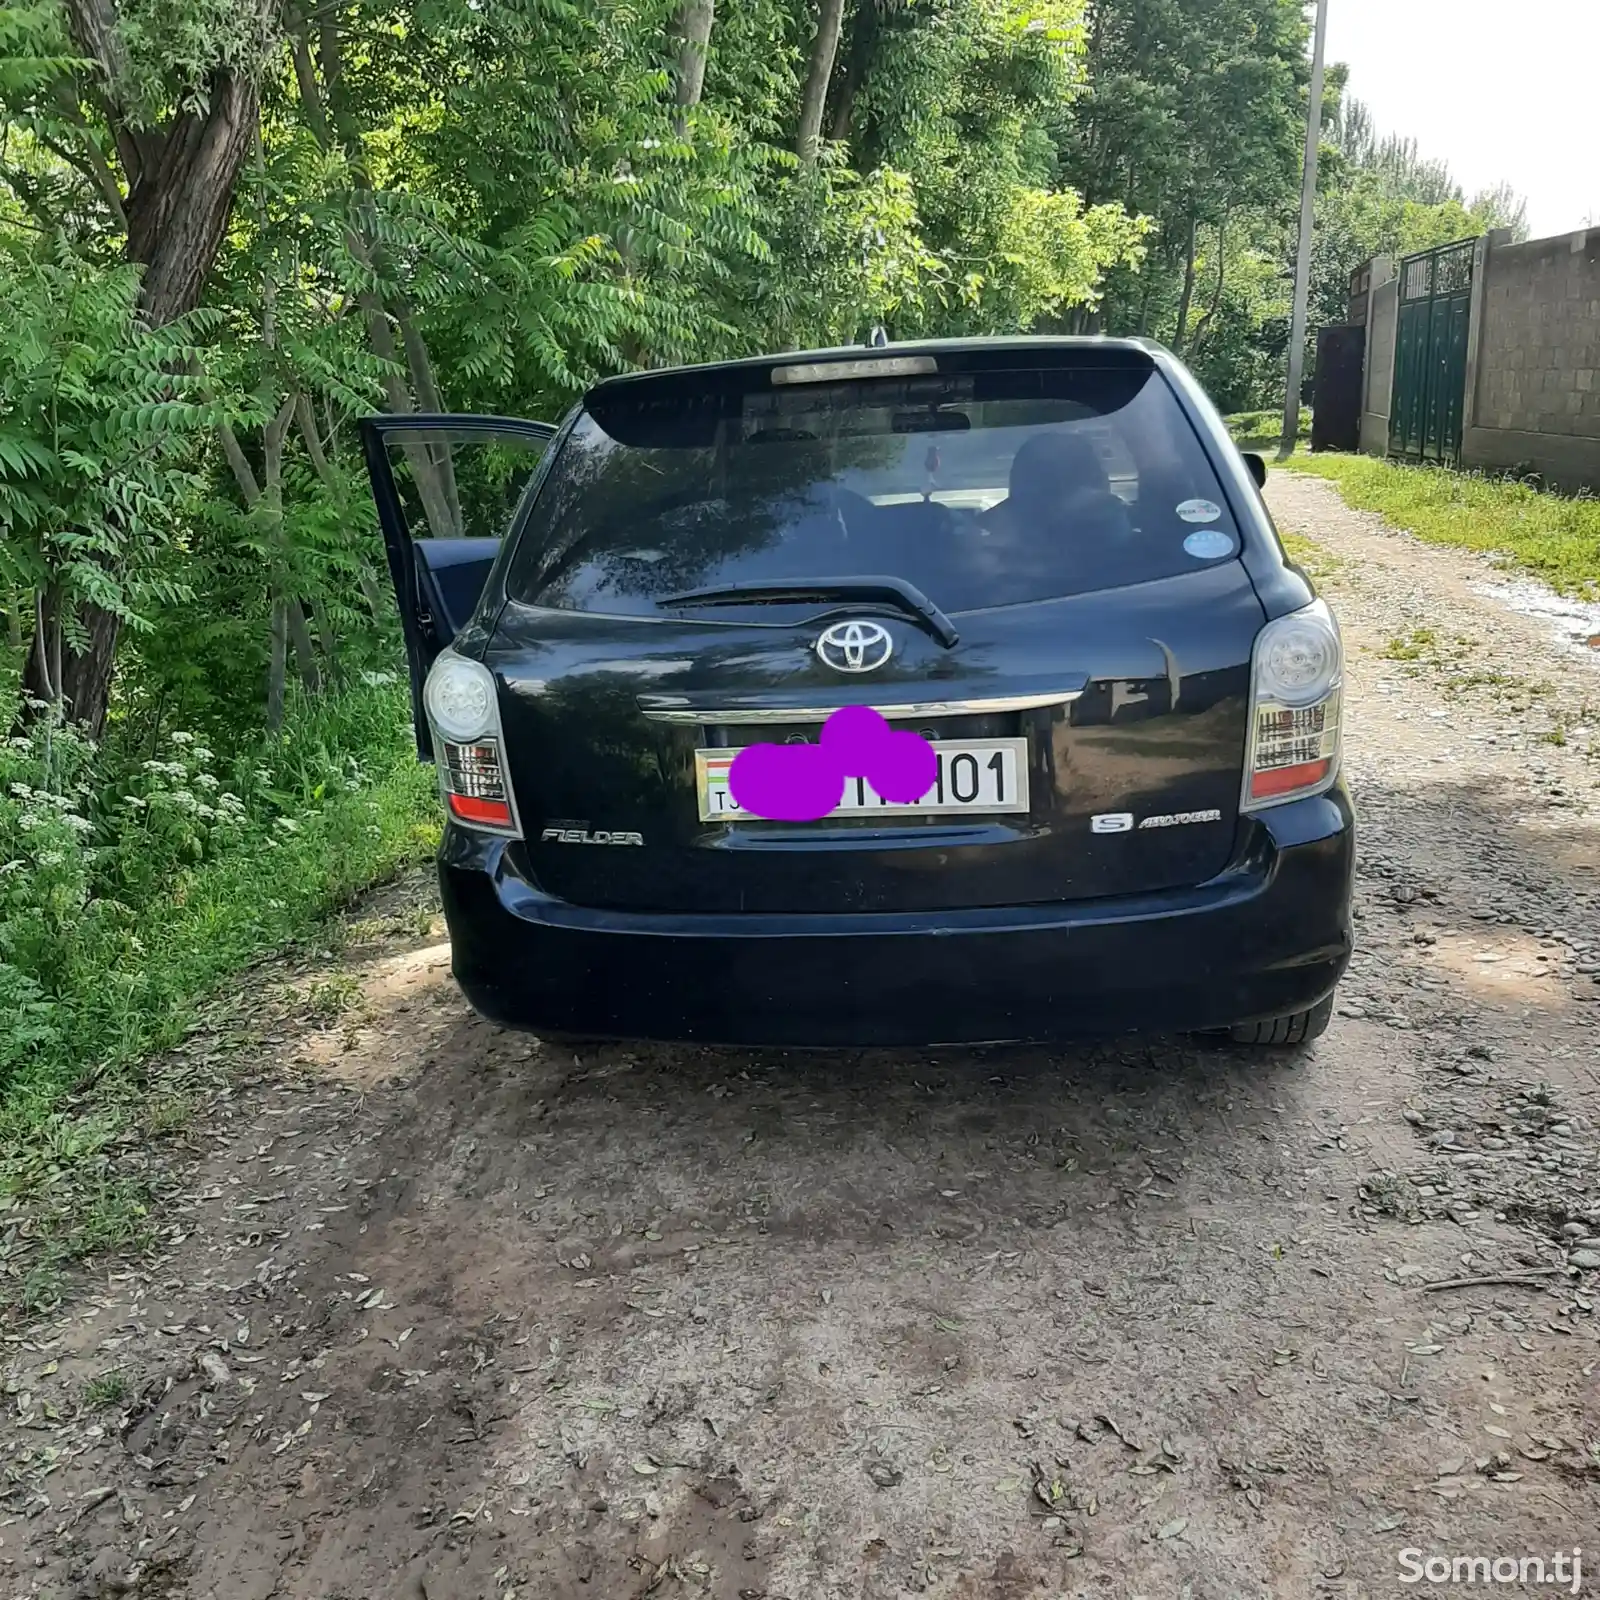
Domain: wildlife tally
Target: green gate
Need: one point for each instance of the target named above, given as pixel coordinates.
(1430, 357)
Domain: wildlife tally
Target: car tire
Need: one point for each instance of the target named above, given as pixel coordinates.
(1300, 1027)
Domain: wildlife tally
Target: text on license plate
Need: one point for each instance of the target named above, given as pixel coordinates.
(976, 777)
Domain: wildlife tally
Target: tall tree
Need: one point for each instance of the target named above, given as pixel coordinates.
(691, 28)
(819, 73)
(1191, 113)
(174, 103)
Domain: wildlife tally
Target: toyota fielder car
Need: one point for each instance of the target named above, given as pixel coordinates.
(1044, 556)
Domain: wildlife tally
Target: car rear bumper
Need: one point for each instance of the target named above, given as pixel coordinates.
(1268, 937)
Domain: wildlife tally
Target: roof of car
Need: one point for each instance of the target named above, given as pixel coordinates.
(1018, 342)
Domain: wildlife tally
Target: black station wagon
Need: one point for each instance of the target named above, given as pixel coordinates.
(1045, 556)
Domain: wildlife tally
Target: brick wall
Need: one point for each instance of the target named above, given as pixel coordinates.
(1535, 395)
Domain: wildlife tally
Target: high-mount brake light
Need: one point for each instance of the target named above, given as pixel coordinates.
(842, 371)
(464, 715)
(1296, 691)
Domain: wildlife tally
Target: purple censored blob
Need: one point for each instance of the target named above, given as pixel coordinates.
(852, 736)
(901, 767)
(786, 782)
(904, 768)
(803, 783)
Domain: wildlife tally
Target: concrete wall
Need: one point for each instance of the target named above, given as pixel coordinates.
(1533, 396)
(1383, 320)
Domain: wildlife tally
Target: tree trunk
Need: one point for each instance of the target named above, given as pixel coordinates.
(82, 681)
(179, 206)
(305, 655)
(330, 647)
(277, 664)
(1187, 296)
(691, 27)
(830, 19)
(857, 65)
(181, 183)
(426, 389)
(41, 672)
(1202, 327)
(1144, 301)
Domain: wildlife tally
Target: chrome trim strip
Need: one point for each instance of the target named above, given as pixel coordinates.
(663, 709)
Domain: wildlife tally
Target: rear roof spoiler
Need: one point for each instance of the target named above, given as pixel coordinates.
(943, 358)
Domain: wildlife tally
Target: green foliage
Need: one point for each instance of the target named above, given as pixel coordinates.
(97, 417)
(125, 896)
(1255, 428)
(171, 51)
(855, 256)
(1193, 115)
(959, 102)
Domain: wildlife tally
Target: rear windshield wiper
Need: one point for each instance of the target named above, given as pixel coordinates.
(896, 592)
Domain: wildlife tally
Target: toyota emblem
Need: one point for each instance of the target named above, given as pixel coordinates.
(854, 646)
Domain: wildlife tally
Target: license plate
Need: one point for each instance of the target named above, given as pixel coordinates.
(977, 777)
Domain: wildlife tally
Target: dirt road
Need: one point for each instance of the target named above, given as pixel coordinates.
(438, 1311)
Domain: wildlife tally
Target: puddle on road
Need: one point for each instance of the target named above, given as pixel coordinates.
(1572, 624)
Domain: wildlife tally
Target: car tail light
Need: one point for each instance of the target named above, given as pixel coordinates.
(464, 715)
(1297, 681)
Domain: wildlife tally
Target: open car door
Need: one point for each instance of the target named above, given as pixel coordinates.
(448, 490)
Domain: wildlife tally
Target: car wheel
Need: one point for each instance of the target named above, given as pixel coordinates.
(1300, 1027)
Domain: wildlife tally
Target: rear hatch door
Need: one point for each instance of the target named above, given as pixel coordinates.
(1025, 556)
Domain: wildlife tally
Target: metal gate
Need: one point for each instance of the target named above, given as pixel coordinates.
(1336, 394)
(1430, 359)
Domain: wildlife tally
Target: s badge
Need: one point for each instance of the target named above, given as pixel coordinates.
(1112, 822)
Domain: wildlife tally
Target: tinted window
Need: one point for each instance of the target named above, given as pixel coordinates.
(983, 488)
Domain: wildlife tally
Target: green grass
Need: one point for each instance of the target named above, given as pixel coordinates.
(1307, 554)
(130, 985)
(1420, 644)
(1554, 537)
(1261, 430)
(105, 1389)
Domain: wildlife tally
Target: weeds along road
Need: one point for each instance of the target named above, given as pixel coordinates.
(441, 1312)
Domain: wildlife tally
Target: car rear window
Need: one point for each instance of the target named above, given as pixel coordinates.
(981, 488)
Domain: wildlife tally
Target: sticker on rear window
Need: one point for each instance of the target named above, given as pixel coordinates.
(1208, 544)
(1199, 511)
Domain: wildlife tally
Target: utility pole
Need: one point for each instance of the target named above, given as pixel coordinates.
(1302, 265)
